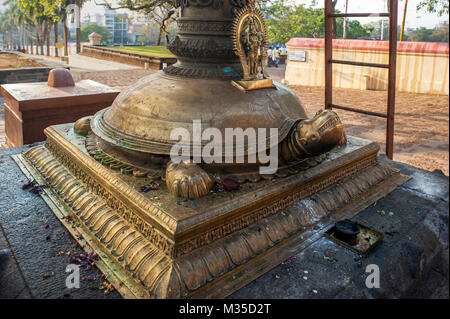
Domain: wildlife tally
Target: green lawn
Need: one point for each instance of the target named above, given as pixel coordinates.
(147, 49)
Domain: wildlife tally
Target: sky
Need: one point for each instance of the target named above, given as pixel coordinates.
(414, 18)
(91, 6)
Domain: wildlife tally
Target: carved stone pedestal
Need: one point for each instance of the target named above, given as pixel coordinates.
(31, 107)
(152, 245)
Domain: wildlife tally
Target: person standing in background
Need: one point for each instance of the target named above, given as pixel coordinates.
(276, 56)
(269, 56)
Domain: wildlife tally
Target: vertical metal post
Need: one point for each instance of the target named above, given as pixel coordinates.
(65, 33)
(328, 54)
(393, 7)
(403, 21)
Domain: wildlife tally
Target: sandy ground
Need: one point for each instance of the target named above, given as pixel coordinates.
(11, 60)
(421, 135)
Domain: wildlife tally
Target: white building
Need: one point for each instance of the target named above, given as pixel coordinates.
(116, 21)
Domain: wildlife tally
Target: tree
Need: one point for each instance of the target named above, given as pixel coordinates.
(57, 10)
(7, 27)
(374, 29)
(35, 12)
(438, 6)
(286, 20)
(163, 12)
(163, 17)
(354, 29)
(94, 27)
(439, 34)
(421, 35)
(147, 33)
(13, 21)
(63, 14)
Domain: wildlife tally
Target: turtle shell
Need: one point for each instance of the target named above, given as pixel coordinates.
(145, 114)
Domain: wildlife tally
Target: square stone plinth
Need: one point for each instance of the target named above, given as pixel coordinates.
(31, 107)
(153, 245)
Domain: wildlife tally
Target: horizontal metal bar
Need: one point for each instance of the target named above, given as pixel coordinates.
(374, 65)
(357, 15)
(346, 108)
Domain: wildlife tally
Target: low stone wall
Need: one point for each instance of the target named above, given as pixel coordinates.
(24, 75)
(127, 57)
(422, 67)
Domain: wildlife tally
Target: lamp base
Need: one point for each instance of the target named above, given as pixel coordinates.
(153, 245)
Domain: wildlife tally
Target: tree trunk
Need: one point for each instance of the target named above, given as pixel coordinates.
(334, 2)
(160, 36)
(66, 50)
(41, 40)
(37, 40)
(24, 39)
(47, 36)
(344, 31)
(55, 27)
(21, 37)
(30, 40)
(78, 32)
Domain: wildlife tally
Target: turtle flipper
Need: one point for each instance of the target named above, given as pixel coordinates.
(187, 180)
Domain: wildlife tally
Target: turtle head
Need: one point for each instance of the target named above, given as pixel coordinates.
(321, 133)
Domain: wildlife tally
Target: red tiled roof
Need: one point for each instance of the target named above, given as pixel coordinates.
(94, 35)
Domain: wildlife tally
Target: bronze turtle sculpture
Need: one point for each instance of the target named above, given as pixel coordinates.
(135, 131)
(135, 135)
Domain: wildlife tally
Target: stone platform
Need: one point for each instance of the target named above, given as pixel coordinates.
(413, 258)
(151, 245)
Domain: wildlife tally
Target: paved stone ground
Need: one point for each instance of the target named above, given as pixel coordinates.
(413, 258)
(41, 254)
(2, 123)
(77, 61)
(117, 79)
(408, 258)
(15, 287)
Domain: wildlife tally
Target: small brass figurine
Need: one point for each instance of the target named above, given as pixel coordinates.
(253, 42)
(250, 44)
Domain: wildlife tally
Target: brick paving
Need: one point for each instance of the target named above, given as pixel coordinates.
(118, 79)
(2, 123)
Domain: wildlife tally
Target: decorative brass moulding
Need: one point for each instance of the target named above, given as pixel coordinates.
(164, 243)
